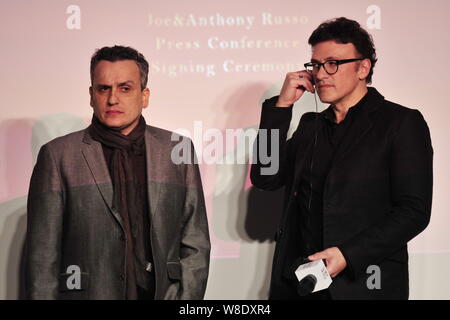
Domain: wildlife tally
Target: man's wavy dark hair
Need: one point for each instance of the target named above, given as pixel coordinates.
(343, 30)
(119, 53)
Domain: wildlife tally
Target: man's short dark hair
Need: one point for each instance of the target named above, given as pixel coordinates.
(343, 30)
(119, 53)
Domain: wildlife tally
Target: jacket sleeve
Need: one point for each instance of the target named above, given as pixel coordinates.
(44, 228)
(411, 176)
(195, 242)
(270, 150)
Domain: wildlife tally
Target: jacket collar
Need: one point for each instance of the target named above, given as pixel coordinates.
(361, 125)
(368, 104)
(153, 147)
(93, 154)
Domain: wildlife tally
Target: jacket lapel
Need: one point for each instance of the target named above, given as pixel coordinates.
(359, 128)
(353, 136)
(153, 149)
(302, 154)
(93, 154)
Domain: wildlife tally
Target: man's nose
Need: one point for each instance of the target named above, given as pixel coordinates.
(321, 73)
(112, 98)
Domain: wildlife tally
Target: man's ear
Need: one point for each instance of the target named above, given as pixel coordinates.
(145, 97)
(364, 69)
(91, 94)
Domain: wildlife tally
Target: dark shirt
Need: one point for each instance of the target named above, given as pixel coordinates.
(314, 173)
(138, 236)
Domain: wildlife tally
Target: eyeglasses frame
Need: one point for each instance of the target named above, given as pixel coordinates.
(322, 64)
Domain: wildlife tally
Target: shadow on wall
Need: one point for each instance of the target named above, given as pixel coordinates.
(52, 126)
(13, 212)
(12, 238)
(241, 110)
(16, 162)
(264, 210)
(241, 212)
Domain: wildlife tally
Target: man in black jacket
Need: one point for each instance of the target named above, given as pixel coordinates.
(358, 175)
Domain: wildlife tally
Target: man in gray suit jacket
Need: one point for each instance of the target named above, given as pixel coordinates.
(111, 215)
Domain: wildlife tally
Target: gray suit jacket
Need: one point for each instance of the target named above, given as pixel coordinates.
(73, 228)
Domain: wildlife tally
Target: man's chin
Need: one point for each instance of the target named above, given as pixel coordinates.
(325, 99)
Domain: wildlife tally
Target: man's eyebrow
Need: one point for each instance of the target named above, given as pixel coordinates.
(126, 83)
(326, 59)
(100, 85)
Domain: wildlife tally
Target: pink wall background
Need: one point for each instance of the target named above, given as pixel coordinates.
(44, 82)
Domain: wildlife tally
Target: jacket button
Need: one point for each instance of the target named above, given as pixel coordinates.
(122, 237)
(122, 277)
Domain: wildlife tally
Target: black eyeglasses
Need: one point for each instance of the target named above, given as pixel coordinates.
(330, 66)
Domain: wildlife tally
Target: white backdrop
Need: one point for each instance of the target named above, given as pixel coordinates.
(212, 64)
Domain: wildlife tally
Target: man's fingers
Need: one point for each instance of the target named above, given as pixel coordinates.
(331, 262)
(308, 86)
(331, 268)
(295, 84)
(318, 255)
(305, 81)
(295, 73)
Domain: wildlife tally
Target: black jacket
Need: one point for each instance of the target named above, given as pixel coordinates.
(377, 196)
